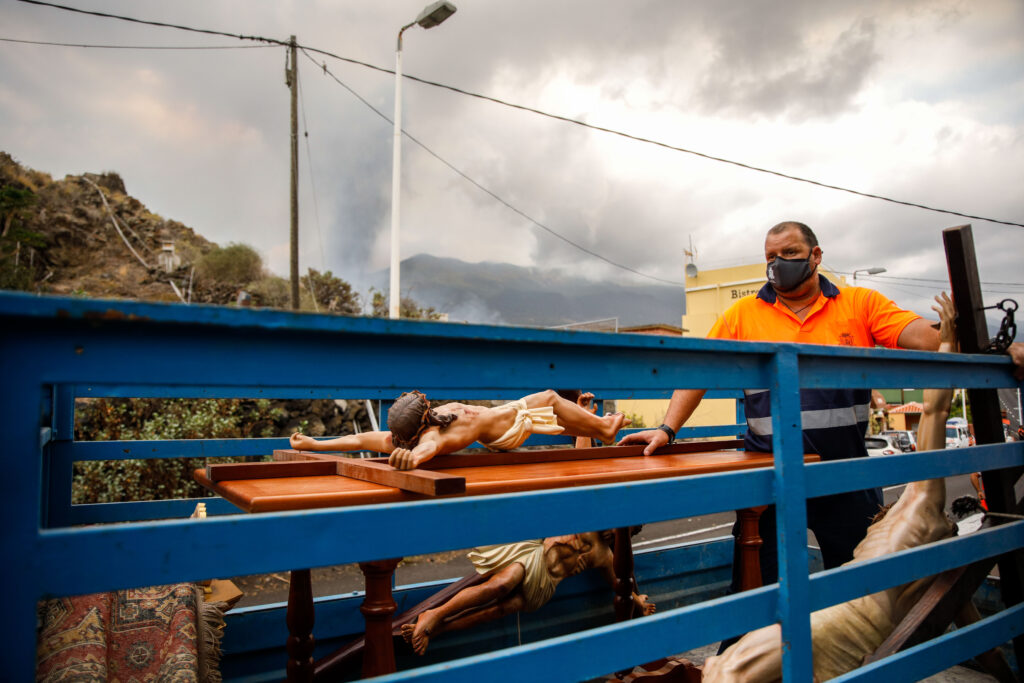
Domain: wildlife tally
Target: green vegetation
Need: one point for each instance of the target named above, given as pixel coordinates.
(407, 308)
(956, 408)
(332, 294)
(271, 291)
(235, 264)
(637, 421)
(129, 419)
(17, 242)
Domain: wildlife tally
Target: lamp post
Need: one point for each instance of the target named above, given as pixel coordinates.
(431, 16)
(869, 271)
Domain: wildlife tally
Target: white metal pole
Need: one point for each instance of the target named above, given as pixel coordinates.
(1020, 409)
(396, 181)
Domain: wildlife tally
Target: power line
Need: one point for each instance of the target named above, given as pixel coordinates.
(902, 286)
(147, 22)
(137, 47)
(324, 66)
(486, 190)
(931, 288)
(665, 145)
(922, 279)
(539, 112)
(925, 279)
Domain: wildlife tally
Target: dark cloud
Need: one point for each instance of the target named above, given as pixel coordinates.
(212, 148)
(790, 78)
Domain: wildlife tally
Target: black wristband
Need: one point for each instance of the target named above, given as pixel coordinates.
(668, 430)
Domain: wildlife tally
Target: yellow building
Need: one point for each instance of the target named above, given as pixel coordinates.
(708, 294)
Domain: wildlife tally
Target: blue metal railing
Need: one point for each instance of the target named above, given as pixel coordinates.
(54, 348)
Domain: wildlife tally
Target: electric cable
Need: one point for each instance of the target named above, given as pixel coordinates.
(921, 279)
(557, 117)
(936, 281)
(137, 47)
(902, 286)
(484, 189)
(149, 22)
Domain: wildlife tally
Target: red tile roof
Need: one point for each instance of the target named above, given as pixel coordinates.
(912, 407)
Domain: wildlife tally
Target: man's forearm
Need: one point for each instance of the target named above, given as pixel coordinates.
(919, 335)
(681, 407)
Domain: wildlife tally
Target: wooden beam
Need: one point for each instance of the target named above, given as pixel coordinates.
(345, 661)
(417, 481)
(972, 333)
(941, 603)
(489, 458)
(935, 611)
(971, 329)
(377, 471)
(269, 470)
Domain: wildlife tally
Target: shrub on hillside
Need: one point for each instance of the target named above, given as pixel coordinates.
(407, 308)
(18, 243)
(332, 294)
(130, 419)
(235, 264)
(271, 291)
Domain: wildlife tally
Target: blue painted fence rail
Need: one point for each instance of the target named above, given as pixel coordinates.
(54, 349)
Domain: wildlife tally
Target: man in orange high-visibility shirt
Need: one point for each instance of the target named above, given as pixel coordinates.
(800, 305)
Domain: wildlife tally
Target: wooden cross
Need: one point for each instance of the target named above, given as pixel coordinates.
(426, 480)
(952, 589)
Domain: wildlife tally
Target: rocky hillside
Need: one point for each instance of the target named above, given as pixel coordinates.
(86, 236)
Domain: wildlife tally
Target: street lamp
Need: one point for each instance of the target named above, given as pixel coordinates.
(869, 271)
(431, 16)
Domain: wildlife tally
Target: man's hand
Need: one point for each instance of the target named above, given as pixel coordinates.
(1016, 352)
(301, 442)
(654, 438)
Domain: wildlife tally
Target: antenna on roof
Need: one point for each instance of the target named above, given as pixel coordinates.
(691, 253)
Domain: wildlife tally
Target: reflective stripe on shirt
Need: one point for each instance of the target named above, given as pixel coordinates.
(816, 419)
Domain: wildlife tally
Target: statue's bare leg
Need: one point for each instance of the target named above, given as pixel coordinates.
(472, 617)
(578, 421)
(756, 657)
(496, 587)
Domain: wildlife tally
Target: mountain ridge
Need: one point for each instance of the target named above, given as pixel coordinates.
(84, 235)
(504, 293)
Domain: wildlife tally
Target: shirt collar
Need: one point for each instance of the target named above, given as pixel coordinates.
(767, 293)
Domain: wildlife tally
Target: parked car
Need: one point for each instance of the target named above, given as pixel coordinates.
(905, 439)
(957, 434)
(881, 444)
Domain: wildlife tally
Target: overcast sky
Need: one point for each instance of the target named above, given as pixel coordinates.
(920, 101)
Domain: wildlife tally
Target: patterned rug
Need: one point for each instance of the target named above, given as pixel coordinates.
(161, 633)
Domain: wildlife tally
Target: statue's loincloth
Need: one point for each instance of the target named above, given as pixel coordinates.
(528, 421)
(537, 586)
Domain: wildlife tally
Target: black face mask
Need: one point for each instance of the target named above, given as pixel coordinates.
(786, 274)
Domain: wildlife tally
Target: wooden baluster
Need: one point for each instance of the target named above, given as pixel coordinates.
(623, 565)
(750, 547)
(300, 626)
(377, 608)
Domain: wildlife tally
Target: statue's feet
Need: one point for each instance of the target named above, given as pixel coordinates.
(613, 423)
(418, 634)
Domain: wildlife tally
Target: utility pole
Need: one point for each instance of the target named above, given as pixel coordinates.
(291, 79)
